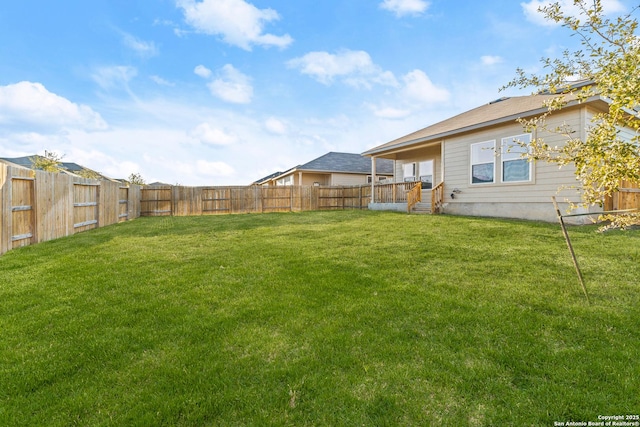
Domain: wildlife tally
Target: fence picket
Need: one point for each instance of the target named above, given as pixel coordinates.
(36, 206)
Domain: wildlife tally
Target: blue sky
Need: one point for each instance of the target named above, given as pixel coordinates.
(224, 92)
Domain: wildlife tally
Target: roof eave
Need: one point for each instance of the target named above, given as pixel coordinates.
(442, 135)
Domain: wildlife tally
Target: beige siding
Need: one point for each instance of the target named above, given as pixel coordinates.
(546, 178)
(348, 179)
(312, 178)
(416, 156)
(627, 134)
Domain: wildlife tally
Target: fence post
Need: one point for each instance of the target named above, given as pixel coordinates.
(5, 213)
(99, 204)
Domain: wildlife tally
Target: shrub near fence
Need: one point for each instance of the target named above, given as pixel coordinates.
(37, 206)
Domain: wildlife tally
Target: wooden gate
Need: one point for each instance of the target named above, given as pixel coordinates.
(123, 204)
(23, 227)
(85, 206)
(156, 201)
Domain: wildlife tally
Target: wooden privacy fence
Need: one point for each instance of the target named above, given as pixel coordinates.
(627, 197)
(37, 206)
(183, 201)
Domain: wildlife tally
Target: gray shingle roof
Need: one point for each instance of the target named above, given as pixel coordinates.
(347, 163)
(266, 178)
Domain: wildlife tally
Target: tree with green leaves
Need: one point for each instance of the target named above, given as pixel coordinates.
(609, 62)
(88, 173)
(136, 179)
(50, 162)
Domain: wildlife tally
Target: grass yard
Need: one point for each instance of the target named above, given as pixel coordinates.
(320, 319)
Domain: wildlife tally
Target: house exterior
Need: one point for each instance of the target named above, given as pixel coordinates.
(478, 165)
(332, 169)
(68, 168)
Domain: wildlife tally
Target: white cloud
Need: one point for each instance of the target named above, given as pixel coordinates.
(202, 71)
(385, 112)
(567, 6)
(142, 48)
(419, 88)
(232, 86)
(238, 23)
(275, 126)
(417, 93)
(215, 169)
(31, 103)
(207, 134)
(162, 82)
(491, 60)
(354, 67)
(405, 7)
(117, 76)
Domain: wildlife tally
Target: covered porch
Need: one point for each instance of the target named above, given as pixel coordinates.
(407, 197)
(418, 179)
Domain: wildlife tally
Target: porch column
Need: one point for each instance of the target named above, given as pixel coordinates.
(441, 162)
(373, 179)
(299, 178)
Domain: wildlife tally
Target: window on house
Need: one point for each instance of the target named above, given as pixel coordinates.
(514, 167)
(425, 169)
(409, 172)
(483, 162)
(287, 180)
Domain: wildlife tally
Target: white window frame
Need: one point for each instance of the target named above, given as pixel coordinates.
(508, 155)
(490, 148)
(421, 173)
(405, 176)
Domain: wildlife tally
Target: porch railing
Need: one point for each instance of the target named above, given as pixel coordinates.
(437, 198)
(414, 196)
(393, 193)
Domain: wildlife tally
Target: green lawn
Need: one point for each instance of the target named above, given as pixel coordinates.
(320, 319)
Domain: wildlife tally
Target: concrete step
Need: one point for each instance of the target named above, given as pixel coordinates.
(421, 208)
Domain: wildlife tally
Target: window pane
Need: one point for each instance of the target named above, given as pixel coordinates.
(482, 152)
(515, 170)
(511, 148)
(482, 173)
(408, 171)
(427, 181)
(426, 168)
(512, 151)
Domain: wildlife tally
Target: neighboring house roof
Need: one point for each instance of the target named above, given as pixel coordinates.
(345, 163)
(503, 110)
(65, 166)
(333, 162)
(266, 178)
